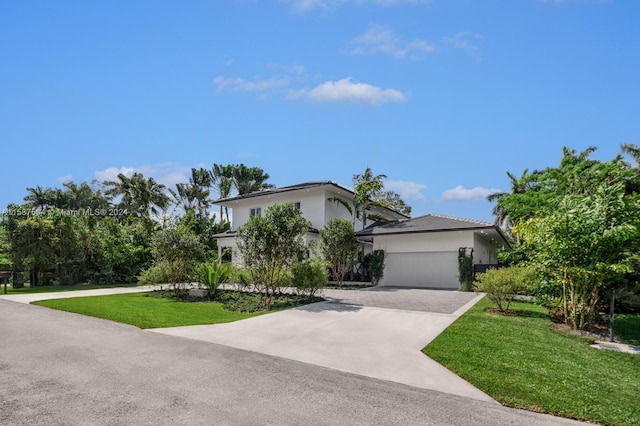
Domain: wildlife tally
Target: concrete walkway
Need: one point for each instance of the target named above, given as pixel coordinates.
(377, 332)
(34, 297)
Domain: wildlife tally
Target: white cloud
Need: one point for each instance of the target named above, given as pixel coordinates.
(408, 190)
(112, 173)
(64, 179)
(346, 90)
(462, 193)
(167, 174)
(380, 39)
(256, 85)
(463, 40)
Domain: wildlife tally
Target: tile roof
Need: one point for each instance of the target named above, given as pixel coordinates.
(426, 223)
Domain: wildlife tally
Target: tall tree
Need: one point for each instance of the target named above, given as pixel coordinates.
(38, 197)
(270, 245)
(368, 189)
(249, 179)
(141, 196)
(222, 177)
(394, 201)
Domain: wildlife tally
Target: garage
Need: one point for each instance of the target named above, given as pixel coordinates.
(423, 251)
(429, 270)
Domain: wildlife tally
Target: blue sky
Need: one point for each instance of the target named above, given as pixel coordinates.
(444, 97)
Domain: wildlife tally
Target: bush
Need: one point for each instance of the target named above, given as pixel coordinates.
(502, 284)
(156, 274)
(375, 265)
(309, 277)
(214, 274)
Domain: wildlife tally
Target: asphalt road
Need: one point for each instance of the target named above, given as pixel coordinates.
(58, 368)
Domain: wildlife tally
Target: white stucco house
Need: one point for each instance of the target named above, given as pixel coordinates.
(421, 252)
(312, 198)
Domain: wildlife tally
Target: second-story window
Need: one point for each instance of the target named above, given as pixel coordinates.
(256, 212)
(297, 205)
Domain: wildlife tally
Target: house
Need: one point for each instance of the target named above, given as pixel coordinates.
(421, 252)
(312, 198)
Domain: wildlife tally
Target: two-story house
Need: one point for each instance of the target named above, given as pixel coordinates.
(312, 198)
(421, 252)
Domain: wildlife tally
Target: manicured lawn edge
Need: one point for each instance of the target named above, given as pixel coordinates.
(60, 288)
(143, 311)
(524, 362)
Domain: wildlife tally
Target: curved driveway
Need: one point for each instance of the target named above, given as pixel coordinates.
(61, 368)
(377, 332)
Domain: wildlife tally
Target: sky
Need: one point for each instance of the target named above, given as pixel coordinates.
(442, 96)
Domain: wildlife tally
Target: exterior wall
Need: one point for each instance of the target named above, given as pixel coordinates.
(427, 259)
(483, 251)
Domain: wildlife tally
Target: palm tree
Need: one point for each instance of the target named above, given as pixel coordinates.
(249, 179)
(633, 151)
(222, 179)
(367, 193)
(39, 197)
(142, 196)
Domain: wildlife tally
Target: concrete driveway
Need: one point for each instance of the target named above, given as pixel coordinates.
(376, 332)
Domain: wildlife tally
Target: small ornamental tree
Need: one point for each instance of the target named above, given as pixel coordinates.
(504, 283)
(339, 247)
(270, 245)
(177, 252)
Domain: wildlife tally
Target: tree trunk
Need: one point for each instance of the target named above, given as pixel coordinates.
(612, 303)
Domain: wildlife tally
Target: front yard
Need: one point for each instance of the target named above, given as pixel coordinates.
(154, 309)
(524, 362)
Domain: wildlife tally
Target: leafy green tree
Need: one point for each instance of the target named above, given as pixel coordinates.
(394, 201)
(309, 277)
(179, 251)
(222, 177)
(588, 242)
(270, 245)
(339, 247)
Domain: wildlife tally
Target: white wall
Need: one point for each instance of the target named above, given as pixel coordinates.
(483, 251)
(424, 242)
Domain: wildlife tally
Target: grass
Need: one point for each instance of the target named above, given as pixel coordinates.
(144, 311)
(627, 327)
(57, 288)
(524, 362)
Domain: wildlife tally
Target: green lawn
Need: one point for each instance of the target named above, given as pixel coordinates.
(56, 288)
(144, 311)
(524, 362)
(627, 327)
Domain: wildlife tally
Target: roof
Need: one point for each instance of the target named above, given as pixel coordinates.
(426, 223)
(337, 189)
(300, 186)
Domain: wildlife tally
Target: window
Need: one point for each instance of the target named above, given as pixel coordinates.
(297, 205)
(256, 212)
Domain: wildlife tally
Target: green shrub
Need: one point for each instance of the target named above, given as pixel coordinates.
(213, 274)
(502, 284)
(309, 277)
(156, 274)
(375, 265)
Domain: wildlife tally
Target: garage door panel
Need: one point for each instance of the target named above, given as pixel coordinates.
(422, 269)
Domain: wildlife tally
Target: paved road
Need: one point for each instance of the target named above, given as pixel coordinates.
(59, 368)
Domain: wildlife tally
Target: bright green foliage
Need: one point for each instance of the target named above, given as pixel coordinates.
(465, 268)
(213, 274)
(309, 277)
(270, 245)
(140, 196)
(155, 274)
(179, 250)
(504, 283)
(587, 243)
(339, 247)
(375, 265)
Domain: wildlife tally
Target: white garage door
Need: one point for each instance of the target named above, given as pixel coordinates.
(432, 269)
